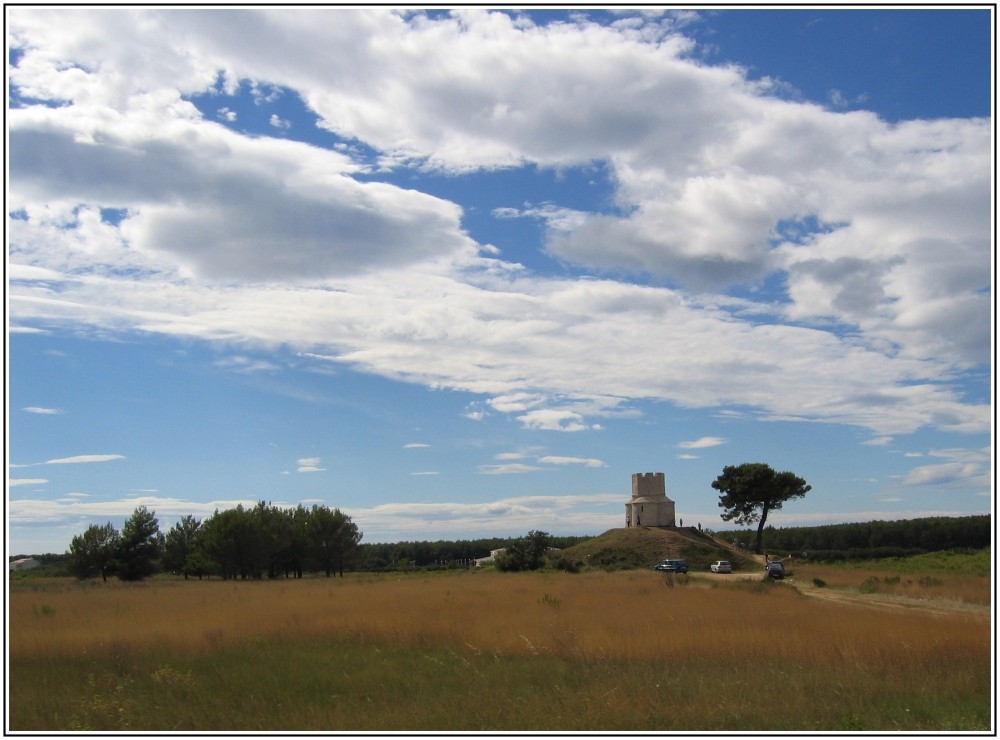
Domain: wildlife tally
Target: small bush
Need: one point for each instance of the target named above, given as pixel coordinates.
(568, 565)
(819, 583)
(547, 600)
(870, 585)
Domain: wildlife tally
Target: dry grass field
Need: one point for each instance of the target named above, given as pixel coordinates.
(486, 651)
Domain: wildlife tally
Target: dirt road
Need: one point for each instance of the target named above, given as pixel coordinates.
(872, 600)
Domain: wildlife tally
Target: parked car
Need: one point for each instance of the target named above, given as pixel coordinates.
(722, 566)
(672, 566)
(774, 570)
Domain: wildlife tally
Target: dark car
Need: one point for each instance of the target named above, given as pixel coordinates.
(672, 566)
(774, 570)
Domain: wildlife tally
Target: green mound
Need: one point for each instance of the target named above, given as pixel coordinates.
(643, 547)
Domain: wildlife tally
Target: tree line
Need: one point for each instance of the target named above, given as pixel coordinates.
(246, 543)
(445, 553)
(876, 539)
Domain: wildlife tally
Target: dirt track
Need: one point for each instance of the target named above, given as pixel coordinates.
(874, 600)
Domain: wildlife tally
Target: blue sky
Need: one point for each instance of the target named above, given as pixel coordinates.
(460, 274)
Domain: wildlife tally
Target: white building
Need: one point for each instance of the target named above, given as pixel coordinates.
(22, 564)
(649, 506)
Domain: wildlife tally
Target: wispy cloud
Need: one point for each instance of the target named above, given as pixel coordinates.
(12, 482)
(34, 511)
(415, 446)
(41, 410)
(589, 462)
(702, 442)
(309, 465)
(83, 459)
(878, 441)
(963, 467)
(242, 364)
(507, 469)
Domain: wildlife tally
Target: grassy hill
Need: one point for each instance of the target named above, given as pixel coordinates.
(642, 547)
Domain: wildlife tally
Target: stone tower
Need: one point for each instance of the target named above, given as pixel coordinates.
(649, 506)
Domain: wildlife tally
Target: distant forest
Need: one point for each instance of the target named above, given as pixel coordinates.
(443, 553)
(876, 539)
(859, 541)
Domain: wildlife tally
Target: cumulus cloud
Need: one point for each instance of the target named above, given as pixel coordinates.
(879, 233)
(264, 210)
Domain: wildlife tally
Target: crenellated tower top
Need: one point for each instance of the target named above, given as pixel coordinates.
(648, 484)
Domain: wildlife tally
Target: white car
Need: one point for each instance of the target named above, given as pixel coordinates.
(722, 566)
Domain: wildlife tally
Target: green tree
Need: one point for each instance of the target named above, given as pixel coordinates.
(94, 552)
(333, 538)
(182, 552)
(751, 491)
(232, 541)
(527, 553)
(139, 546)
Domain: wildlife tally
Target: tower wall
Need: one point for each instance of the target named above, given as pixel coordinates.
(648, 484)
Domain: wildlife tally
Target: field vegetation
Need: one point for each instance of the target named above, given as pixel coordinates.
(477, 651)
(951, 576)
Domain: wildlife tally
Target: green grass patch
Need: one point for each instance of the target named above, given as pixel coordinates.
(354, 684)
(950, 562)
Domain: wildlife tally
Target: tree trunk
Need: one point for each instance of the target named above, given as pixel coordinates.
(760, 529)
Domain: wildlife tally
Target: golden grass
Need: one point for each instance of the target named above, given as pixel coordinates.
(583, 646)
(966, 588)
(622, 616)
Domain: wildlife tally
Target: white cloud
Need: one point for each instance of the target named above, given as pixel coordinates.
(964, 468)
(34, 511)
(243, 364)
(588, 462)
(561, 420)
(265, 210)
(83, 459)
(41, 410)
(510, 456)
(309, 465)
(878, 441)
(503, 517)
(880, 229)
(415, 446)
(507, 469)
(703, 442)
(12, 482)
